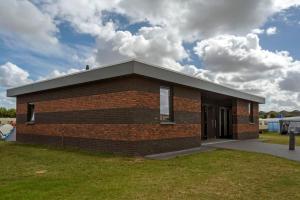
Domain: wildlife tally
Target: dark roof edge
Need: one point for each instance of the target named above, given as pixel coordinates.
(128, 67)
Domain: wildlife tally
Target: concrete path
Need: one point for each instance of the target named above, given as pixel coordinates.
(260, 147)
(173, 154)
(242, 145)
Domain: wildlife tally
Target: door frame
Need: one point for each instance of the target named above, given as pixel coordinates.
(209, 121)
(228, 122)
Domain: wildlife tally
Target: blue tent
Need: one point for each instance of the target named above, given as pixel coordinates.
(274, 126)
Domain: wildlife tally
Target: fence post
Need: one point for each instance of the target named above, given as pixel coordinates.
(292, 141)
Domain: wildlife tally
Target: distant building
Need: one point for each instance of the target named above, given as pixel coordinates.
(279, 125)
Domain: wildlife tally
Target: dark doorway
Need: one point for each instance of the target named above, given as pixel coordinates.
(209, 122)
(225, 122)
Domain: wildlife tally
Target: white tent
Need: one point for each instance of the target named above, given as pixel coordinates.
(5, 130)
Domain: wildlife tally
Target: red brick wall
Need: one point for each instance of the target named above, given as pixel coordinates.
(123, 109)
(242, 128)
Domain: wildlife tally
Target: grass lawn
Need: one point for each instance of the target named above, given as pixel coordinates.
(276, 138)
(36, 172)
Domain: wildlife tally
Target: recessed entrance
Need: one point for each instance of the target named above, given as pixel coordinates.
(216, 120)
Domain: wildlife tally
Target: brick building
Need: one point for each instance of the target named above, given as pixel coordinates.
(132, 108)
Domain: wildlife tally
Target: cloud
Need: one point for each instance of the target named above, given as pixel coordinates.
(201, 18)
(87, 20)
(162, 42)
(271, 31)
(24, 20)
(285, 4)
(258, 31)
(291, 81)
(151, 44)
(268, 31)
(229, 53)
(11, 75)
(6, 101)
(56, 73)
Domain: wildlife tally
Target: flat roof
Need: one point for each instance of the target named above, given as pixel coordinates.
(127, 68)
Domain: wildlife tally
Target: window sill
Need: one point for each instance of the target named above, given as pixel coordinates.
(30, 123)
(251, 123)
(167, 123)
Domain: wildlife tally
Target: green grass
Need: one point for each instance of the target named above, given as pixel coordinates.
(35, 172)
(276, 138)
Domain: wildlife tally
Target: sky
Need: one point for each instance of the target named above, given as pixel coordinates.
(249, 45)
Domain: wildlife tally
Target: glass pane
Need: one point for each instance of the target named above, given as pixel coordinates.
(249, 108)
(164, 104)
(164, 101)
(32, 116)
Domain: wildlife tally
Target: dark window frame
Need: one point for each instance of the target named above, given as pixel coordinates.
(30, 112)
(250, 112)
(171, 105)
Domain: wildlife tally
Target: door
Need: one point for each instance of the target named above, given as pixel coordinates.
(225, 123)
(209, 122)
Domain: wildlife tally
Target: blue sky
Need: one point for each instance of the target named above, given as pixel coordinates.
(253, 50)
(288, 33)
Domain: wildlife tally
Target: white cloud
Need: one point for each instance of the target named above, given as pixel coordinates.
(201, 18)
(228, 53)
(151, 44)
(258, 31)
(56, 73)
(271, 31)
(6, 101)
(85, 16)
(161, 43)
(285, 4)
(11, 75)
(22, 19)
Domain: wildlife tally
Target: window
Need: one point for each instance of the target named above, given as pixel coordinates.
(250, 112)
(166, 104)
(30, 112)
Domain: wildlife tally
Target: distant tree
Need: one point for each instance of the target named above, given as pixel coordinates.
(263, 116)
(7, 113)
(289, 115)
(273, 115)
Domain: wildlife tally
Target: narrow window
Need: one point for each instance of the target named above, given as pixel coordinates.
(30, 112)
(166, 104)
(250, 112)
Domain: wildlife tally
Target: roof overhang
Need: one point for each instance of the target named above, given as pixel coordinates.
(128, 68)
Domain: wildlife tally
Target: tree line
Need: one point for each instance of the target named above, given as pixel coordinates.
(7, 113)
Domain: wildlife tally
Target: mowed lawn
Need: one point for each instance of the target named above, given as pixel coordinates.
(277, 138)
(36, 172)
